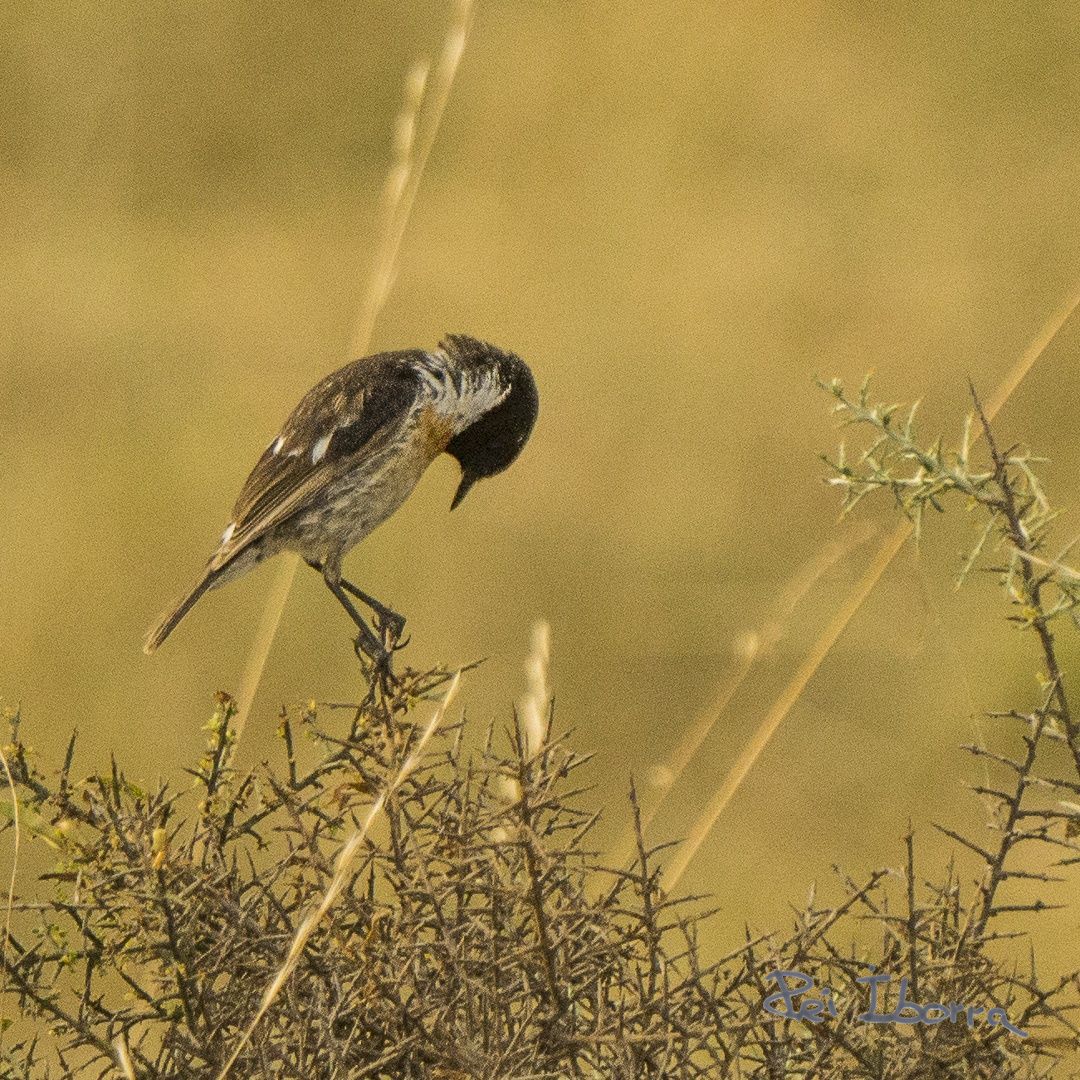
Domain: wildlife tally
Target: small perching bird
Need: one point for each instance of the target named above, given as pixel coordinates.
(354, 449)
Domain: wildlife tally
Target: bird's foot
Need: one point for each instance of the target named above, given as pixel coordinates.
(388, 622)
(391, 626)
(378, 665)
(388, 629)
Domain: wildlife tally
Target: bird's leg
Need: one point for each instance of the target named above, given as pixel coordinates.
(366, 641)
(388, 617)
(393, 622)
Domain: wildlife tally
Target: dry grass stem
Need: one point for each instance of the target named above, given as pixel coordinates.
(15, 846)
(399, 195)
(269, 621)
(750, 648)
(783, 705)
(1039, 344)
(123, 1058)
(536, 708)
(392, 207)
(471, 933)
(890, 547)
(343, 868)
(412, 153)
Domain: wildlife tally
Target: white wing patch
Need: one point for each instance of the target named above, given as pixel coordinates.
(276, 445)
(318, 451)
(227, 535)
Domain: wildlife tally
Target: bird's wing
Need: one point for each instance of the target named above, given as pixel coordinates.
(351, 414)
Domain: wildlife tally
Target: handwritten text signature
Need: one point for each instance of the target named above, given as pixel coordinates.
(815, 1004)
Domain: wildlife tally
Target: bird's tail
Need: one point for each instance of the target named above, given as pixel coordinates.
(167, 623)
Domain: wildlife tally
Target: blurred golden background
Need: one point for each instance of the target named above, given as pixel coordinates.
(677, 213)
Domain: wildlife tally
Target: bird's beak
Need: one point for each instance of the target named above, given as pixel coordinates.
(467, 481)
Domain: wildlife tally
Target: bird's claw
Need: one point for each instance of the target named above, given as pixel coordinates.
(391, 626)
(379, 665)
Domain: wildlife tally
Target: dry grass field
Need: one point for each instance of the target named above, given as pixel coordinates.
(678, 214)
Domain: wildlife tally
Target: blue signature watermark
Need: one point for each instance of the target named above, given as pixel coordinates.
(815, 1004)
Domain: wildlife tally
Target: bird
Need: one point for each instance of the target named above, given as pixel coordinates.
(351, 453)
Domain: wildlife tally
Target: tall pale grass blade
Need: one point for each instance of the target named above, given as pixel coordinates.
(420, 127)
(342, 867)
(993, 405)
(749, 649)
(536, 706)
(284, 576)
(401, 172)
(782, 706)
(399, 194)
(17, 827)
(123, 1058)
(886, 553)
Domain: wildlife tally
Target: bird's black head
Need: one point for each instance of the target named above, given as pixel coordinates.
(492, 441)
